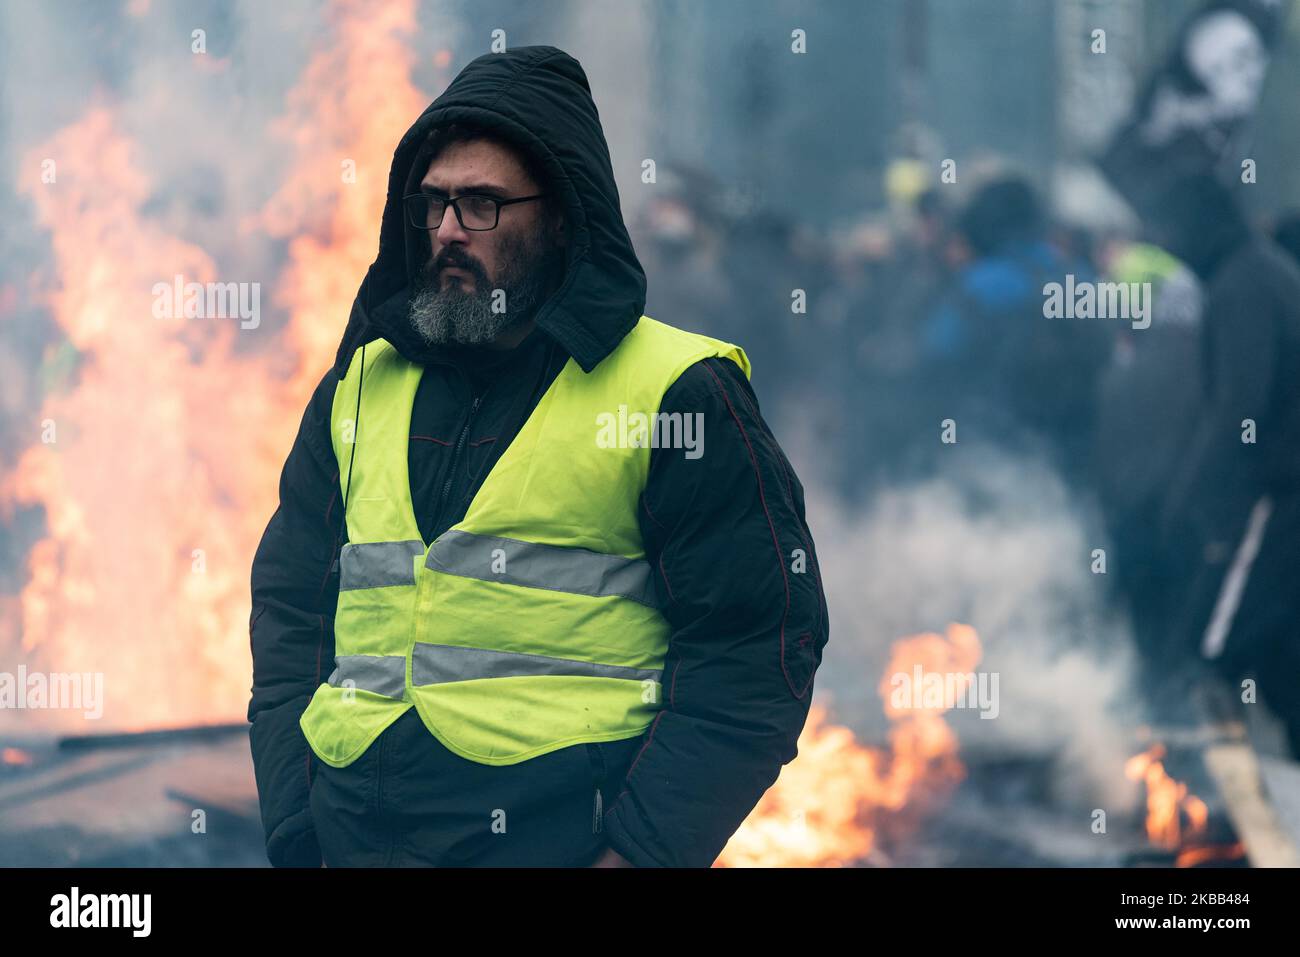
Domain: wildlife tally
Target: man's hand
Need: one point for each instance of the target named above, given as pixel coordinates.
(612, 858)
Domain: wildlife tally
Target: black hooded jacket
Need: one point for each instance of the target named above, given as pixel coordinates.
(725, 531)
(1249, 369)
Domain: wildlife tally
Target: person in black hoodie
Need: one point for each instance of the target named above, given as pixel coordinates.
(729, 542)
(1231, 508)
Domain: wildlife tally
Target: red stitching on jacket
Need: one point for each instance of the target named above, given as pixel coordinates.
(646, 505)
(477, 442)
(329, 568)
(663, 573)
(632, 767)
(762, 497)
(808, 550)
(428, 438)
(788, 476)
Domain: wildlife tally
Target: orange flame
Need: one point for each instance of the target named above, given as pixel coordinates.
(158, 471)
(1175, 818)
(1168, 802)
(839, 802)
(1196, 856)
(344, 118)
(14, 756)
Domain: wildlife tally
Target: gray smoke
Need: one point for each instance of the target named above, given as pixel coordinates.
(1000, 544)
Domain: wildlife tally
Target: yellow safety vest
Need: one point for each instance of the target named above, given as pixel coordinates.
(531, 625)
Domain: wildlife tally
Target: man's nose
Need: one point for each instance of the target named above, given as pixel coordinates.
(451, 231)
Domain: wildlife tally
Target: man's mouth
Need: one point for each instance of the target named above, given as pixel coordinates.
(453, 277)
(457, 271)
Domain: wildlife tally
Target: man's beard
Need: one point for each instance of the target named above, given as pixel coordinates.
(456, 316)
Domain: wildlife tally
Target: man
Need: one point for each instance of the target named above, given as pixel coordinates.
(488, 627)
(1014, 376)
(1231, 509)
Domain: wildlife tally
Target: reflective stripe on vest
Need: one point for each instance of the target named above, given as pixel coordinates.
(574, 570)
(440, 664)
(378, 564)
(437, 664)
(380, 674)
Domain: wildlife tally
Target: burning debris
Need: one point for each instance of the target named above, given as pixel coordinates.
(1173, 815)
(920, 800)
(841, 803)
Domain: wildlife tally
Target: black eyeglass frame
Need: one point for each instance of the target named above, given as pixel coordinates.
(455, 204)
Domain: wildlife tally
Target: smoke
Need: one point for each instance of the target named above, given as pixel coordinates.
(999, 543)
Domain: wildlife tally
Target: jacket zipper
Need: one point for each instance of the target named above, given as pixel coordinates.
(455, 456)
(598, 776)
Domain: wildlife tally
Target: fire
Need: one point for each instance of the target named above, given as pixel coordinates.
(157, 470)
(841, 803)
(1168, 803)
(1196, 856)
(344, 117)
(1175, 818)
(14, 756)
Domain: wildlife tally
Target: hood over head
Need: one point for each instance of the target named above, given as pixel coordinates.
(537, 98)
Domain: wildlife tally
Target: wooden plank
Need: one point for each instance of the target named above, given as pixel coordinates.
(1235, 770)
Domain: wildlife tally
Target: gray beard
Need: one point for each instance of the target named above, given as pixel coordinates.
(454, 316)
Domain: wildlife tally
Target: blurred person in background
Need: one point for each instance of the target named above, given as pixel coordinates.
(1230, 521)
(998, 366)
(1148, 395)
(681, 232)
(890, 280)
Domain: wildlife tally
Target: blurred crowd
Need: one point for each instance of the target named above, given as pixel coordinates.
(1184, 434)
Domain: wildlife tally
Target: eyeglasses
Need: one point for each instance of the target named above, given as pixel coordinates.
(474, 211)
